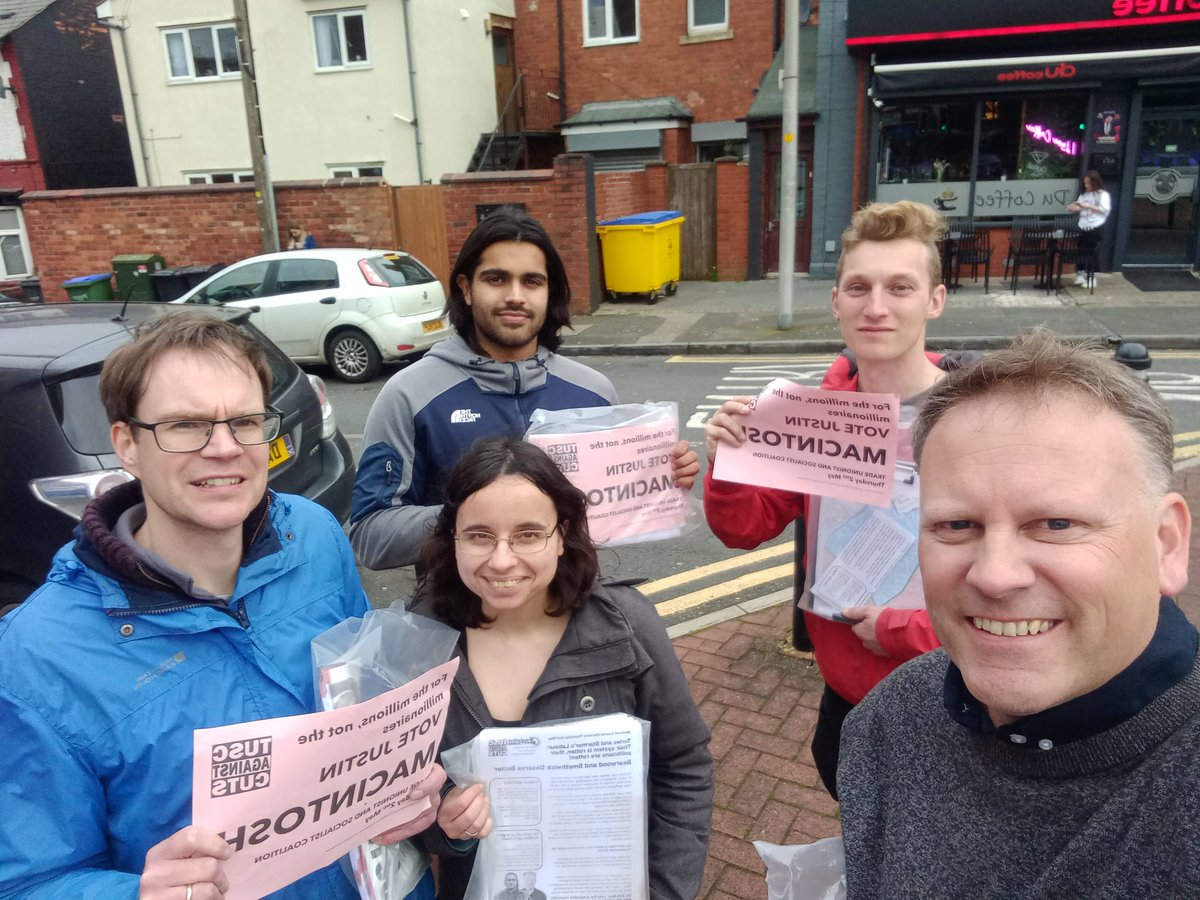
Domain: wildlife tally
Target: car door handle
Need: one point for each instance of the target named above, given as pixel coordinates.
(328, 300)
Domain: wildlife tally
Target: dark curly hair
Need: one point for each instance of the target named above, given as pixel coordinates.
(487, 460)
(510, 223)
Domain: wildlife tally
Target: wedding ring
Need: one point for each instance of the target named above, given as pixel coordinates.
(188, 895)
(469, 834)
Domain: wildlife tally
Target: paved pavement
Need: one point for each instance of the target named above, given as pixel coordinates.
(743, 317)
(758, 696)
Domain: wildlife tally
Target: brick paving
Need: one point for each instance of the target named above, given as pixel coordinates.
(760, 699)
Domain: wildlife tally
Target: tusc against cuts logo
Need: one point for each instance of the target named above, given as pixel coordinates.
(240, 766)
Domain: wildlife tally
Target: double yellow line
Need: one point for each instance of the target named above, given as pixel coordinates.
(1190, 450)
(696, 598)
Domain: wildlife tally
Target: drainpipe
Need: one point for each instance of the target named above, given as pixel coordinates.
(105, 17)
(412, 87)
(562, 68)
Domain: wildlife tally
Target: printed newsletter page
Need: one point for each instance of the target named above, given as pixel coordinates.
(569, 806)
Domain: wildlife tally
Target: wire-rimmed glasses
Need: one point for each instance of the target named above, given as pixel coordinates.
(484, 543)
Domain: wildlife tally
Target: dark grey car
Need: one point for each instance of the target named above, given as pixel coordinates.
(55, 452)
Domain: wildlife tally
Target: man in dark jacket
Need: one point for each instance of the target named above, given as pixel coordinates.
(187, 600)
(1052, 749)
(509, 300)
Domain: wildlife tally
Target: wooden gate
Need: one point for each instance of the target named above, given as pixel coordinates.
(692, 189)
(419, 226)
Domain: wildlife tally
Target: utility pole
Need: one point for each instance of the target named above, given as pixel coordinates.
(264, 192)
(788, 157)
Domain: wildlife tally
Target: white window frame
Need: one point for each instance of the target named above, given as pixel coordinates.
(240, 176)
(605, 39)
(19, 231)
(191, 75)
(341, 15)
(354, 170)
(693, 28)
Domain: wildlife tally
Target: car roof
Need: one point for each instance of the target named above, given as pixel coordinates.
(343, 254)
(36, 333)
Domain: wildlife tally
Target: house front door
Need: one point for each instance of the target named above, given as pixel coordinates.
(774, 181)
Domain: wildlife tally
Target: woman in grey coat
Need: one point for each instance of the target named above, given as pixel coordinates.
(511, 565)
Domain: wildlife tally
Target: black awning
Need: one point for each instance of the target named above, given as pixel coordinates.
(1022, 73)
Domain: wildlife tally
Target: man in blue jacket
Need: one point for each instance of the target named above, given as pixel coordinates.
(509, 299)
(187, 600)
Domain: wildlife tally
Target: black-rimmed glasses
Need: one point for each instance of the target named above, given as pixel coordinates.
(190, 435)
(484, 543)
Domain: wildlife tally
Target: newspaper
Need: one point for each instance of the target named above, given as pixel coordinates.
(569, 805)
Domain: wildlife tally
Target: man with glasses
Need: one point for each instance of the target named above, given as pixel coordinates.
(187, 600)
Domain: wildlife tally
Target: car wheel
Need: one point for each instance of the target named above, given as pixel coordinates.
(353, 356)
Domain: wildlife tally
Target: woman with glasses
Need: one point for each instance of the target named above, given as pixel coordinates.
(511, 565)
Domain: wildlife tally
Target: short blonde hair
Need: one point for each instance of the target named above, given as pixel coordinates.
(894, 222)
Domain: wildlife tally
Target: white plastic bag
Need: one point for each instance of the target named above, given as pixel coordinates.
(359, 659)
(814, 871)
(621, 458)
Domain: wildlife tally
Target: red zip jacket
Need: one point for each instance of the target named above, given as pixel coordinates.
(745, 516)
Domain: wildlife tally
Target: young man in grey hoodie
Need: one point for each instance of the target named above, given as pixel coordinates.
(509, 300)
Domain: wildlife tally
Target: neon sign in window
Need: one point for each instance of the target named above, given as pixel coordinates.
(1041, 133)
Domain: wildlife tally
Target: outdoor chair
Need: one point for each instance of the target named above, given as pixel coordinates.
(1068, 252)
(973, 248)
(1031, 249)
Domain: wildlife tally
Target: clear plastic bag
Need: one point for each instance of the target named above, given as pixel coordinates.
(814, 871)
(362, 658)
(621, 458)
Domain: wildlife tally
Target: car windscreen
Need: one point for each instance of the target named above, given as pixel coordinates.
(399, 269)
(85, 424)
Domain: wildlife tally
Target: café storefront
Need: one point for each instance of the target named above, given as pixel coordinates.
(992, 112)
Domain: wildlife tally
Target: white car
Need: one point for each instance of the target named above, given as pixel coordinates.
(351, 309)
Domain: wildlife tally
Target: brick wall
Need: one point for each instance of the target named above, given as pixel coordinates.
(715, 79)
(625, 193)
(79, 232)
(556, 197)
(733, 219)
(678, 146)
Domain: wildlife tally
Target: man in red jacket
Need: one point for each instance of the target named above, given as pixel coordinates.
(888, 287)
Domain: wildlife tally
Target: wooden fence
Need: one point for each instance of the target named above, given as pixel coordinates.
(419, 227)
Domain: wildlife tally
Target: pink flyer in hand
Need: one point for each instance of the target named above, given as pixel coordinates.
(293, 794)
(627, 474)
(830, 443)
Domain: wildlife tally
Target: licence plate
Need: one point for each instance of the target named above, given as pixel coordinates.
(282, 449)
(433, 325)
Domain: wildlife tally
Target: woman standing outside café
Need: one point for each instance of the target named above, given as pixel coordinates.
(1093, 206)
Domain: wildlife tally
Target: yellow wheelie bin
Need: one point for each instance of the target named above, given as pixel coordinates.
(641, 254)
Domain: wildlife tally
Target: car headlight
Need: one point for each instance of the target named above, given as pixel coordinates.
(328, 419)
(71, 493)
